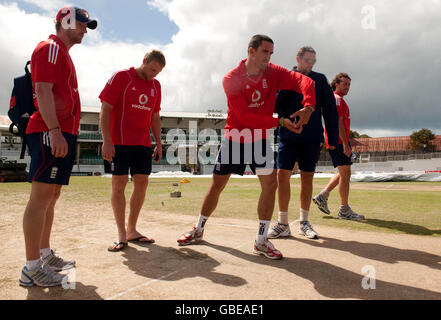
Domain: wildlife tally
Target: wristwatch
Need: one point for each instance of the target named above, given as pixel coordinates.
(310, 107)
(282, 122)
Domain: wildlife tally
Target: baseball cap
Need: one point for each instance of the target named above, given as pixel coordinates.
(81, 15)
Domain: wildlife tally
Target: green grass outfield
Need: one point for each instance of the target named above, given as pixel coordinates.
(387, 208)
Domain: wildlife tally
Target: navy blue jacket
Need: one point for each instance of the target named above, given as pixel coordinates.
(289, 102)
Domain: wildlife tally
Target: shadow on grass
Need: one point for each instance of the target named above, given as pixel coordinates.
(335, 282)
(407, 228)
(171, 264)
(378, 252)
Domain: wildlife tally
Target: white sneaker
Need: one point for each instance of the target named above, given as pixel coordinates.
(57, 263)
(267, 249)
(279, 230)
(321, 203)
(350, 215)
(190, 237)
(42, 276)
(307, 230)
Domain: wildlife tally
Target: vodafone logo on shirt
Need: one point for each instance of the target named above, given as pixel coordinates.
(143, 100)
(256, 96)
(255, 99)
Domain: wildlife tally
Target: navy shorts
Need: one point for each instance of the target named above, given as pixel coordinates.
(339, 158)
(233, 157)
(136, 159)
(305, 153)
(44, 166)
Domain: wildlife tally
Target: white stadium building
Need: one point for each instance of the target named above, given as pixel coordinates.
(191, 140)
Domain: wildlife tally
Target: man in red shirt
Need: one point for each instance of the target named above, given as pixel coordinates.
(251, 91)
(341, 156)
(51, 138)
(131, 101)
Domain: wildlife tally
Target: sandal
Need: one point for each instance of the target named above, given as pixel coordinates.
(139, 239)
(117, 246)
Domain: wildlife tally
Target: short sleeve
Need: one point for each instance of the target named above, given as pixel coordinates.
(112, 90)
(46, 62)
(339, 105)
(157, 107)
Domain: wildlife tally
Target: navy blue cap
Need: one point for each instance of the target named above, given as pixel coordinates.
(81, 15)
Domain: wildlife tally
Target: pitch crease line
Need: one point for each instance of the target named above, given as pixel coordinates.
(145, 284)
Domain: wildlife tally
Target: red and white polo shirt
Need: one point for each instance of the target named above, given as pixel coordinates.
(52, 63)
(134, 102)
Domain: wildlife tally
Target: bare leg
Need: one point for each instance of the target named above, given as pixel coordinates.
(267, 197)
(118, 200)
(284, 189)
(209, 204)
(49, 220)
(34, 217)
(343, 187)
(333, 182)
(211, 199)
(306, 189)
(140, 183)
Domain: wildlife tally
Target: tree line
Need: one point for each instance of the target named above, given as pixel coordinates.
(419, 140)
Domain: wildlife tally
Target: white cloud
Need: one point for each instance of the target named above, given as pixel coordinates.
(395, 68)
(50, 6)
(96, 63)
(20, 33)
(95, 60)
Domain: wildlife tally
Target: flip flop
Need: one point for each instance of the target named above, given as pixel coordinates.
(114, 247)
(148, 240)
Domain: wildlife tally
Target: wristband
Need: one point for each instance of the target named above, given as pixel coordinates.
(56, 128)
(281, 122)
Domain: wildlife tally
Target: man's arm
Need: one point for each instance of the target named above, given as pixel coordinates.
(330, 114)
(46, 106)
(239, 106)
(156, 130)
(342, 133)
(107, 149)
(300, 83)
(295, 81)
(281, 101)
(253, 121)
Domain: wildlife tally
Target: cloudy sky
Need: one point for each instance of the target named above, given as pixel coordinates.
(391, 50)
